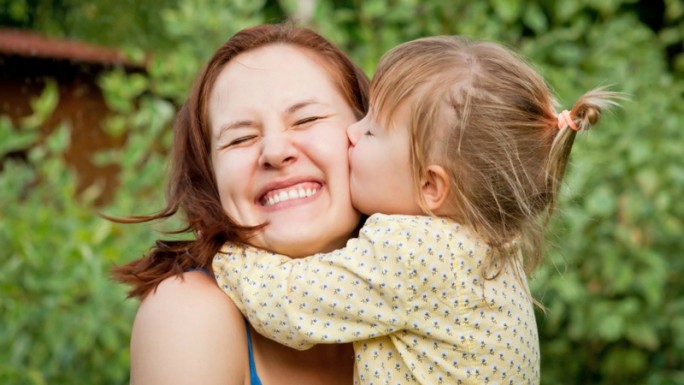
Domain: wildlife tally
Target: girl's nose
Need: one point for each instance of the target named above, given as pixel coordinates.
(354, 132)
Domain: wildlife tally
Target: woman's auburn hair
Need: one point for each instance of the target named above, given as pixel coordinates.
(192, 187)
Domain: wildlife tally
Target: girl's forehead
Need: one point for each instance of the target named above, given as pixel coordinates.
(390, 116)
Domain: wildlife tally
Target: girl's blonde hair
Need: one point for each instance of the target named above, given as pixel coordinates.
(489, 119)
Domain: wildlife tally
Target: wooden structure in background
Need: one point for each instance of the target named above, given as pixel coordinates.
(28, 59)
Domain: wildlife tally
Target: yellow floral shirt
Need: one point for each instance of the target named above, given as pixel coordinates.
(408, 292)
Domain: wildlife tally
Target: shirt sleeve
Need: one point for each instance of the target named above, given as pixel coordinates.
(365, 290)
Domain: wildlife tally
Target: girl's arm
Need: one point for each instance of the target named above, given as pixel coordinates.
(365, 290)
(188, 332)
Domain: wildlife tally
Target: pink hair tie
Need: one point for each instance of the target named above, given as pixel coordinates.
(565, 120)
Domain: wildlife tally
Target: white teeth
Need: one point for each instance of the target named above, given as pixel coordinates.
(284, 196)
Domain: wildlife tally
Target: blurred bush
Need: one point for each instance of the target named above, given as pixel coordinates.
(63, 320)
(612, 282)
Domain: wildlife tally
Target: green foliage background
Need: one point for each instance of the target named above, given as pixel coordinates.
(612, 282)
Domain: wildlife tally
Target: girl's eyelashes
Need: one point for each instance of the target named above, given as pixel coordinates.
(368, 133)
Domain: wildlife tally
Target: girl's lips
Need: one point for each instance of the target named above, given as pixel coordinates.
(292, 192)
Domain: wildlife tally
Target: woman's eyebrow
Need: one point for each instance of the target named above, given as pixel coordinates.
(299, 105)
(233, 125)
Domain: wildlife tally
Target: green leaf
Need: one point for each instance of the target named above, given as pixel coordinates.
(12, 140)
(42, 106)
(507, 10)
(601, 202)
(59, 139)
(534, 18)
(643, 335)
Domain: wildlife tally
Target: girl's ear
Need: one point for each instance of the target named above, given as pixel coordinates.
(435, 188)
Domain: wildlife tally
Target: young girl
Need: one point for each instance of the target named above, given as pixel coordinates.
(462, 153)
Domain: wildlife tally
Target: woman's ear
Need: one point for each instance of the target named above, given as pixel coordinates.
(435, 187)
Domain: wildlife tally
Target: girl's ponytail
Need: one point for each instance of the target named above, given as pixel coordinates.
(585, 113)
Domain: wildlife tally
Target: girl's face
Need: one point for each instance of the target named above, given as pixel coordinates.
(381, 176)
(279, 150)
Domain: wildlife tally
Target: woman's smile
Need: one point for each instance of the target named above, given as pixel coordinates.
(296, 192)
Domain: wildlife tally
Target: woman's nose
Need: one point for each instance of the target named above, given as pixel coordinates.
(277, 150)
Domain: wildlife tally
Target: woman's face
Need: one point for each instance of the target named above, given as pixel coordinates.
(279, 150)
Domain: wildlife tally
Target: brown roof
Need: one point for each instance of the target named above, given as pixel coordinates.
(30, 44)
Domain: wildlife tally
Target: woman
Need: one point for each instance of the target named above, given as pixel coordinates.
(260, 155)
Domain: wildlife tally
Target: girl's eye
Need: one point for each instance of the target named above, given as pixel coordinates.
(368, 133)
(307, 120)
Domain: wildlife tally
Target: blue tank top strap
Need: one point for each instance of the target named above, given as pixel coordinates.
(253, 376)
(205, 271)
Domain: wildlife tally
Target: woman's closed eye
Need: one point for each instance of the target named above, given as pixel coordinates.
(238, 141)
(308, 119)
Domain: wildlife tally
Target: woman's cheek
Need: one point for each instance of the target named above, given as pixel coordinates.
(232, 169)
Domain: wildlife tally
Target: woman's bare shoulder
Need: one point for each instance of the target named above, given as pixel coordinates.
(188, 331)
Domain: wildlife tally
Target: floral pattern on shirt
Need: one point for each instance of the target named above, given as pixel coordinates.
(408, 292)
